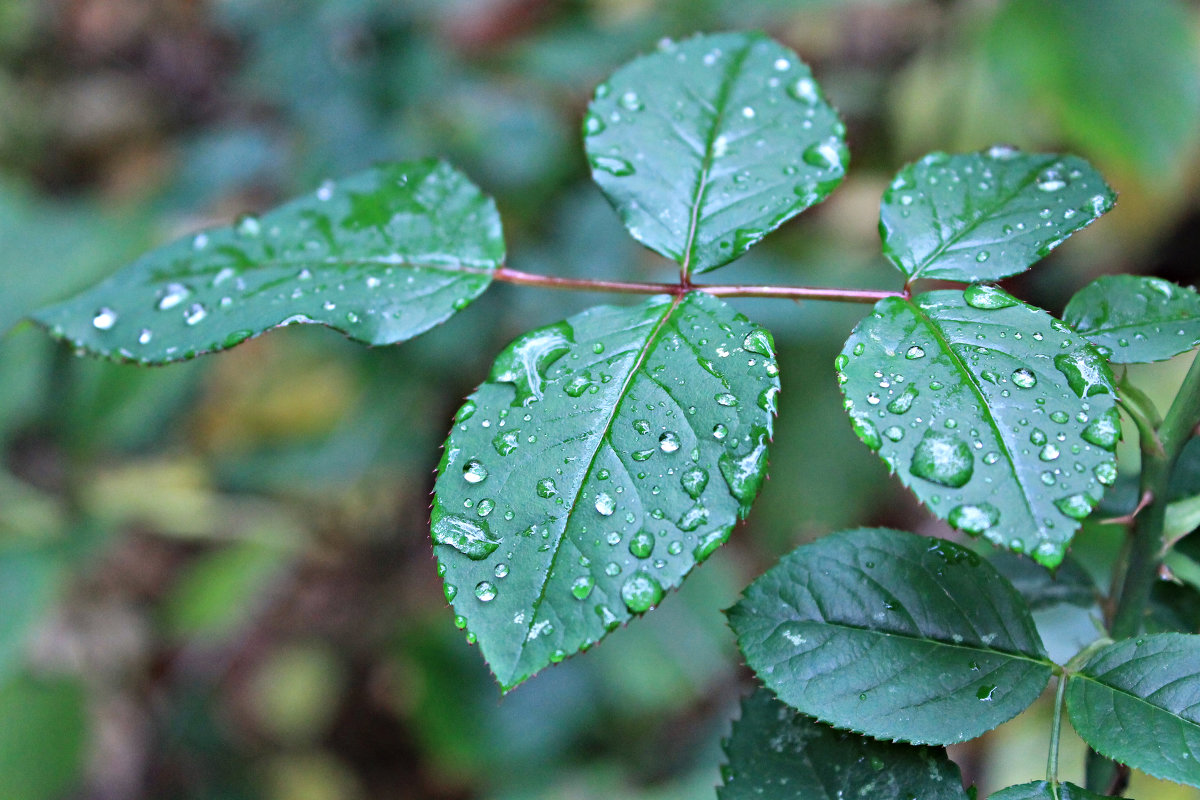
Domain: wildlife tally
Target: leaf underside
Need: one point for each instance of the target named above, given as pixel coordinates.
(893, 635)
(985, 216)
(1041, 790)
(1070, 583)
(380, 256)
(1134, 319)
(776, 753)
(998, 417)
(604, 458)
(707, 145)
(1138, 701)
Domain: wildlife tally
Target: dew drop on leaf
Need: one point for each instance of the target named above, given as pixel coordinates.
(173, 295)
(474, 471)
(1075, 506)
(1024, 378)
(988, 298)
(914, 352)
(668, 442)
(943, 458)
(641, 592)
(613, 165)
(1084, 371)
(693, 481)
(485, 591)
(974, 519)
(468, 537)
(641, 544)
(866, 431)
(1104, 430)
(104, 319)
(605, 504)
(903, 402)
(582, 586)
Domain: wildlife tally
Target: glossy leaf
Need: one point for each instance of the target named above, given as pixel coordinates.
(1138, 702)
(985, 216)
(605, 457)
(1041, 790)
(1135, 318)
(381, 256)
(1069, 583)
(776, 753)
(893, 635)
(707, 145)
(998, 417)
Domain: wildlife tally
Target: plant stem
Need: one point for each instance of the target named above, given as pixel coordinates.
(510, 275)
(1055, 730)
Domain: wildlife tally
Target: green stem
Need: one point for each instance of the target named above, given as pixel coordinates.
(1055, 730)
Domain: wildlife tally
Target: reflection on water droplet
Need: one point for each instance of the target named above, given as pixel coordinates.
(546, 488)
(693, 481)
(668, 442)
(943, 458)
(804, 90)
(485, 591)
(726, 399)
(1024, 378)
(641, 544)
(1075, 506)
(759, 341)
(986, 692)
(974, 519)
(825, 155)
(865, 430)
(582, 586)
(641, 592)
(248, 226)
(474, 471)
(613, 165)
(451, 591)
(914, 352)
(592, 124)
(1086, 373)
(501, 571)
(605, 504)
(173, 295)
(1051, 180)
(468, 537)
(903, 402)
(1106, 473)
(145, 336)
(988, 298)
(1049, 453)
(506, 442)
(104, 319)
(195, 313)
(720, 431)
(895, 433)
(1104, 430)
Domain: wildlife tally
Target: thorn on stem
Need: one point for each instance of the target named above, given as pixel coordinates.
(1127, 519)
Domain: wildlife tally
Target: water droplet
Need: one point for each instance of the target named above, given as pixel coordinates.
(641, 544)
(719, 431)
(1024, 378)
(485, 507)
(248, 226)
(805, 90)
(173, 295)
(468, 537)
(824, 155)
(641, 426)
(693, 481)
(1075, 506)
(474, 471)
(104, 319)
(641, 592)
(582, 586)
(195, 313)
(607, 618)
(485, 591)
(605, 505)
(1059, 416)
(641, 455)
(943, 458)
(744, 473)
(982, 256)
(1106, 473)
(630, 102)
(613, 165)
(546, 488)
(986, 692)
(759, 341)
(592, 124)
(748, 112)
(1104, 430)
(506, 442)
(1037, 436)
(903, 402)
(578, 384)
(501, 571)
(726, 399)
(1049, 453)
(974, 519)
(145, 336)
(524, 363)
(914, 352)
(451, 591)
(988, 298)
(894, 432)
(612, 569)
(668, 442)
(1051, 180)
(865, 430)
(464, 413)
(1086, 373)
(200, 241)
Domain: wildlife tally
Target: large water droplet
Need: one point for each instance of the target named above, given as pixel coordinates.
(974, 519)
(914, 352)
(546, 488)
(1106, 473)
(485, 591)
(866, 431)
(524, 362)
(582, 586)
(744, 473)
(468, 537)
(474, 471)
(451, 591)
(759, 341)
(1104, 430)
(693, 481)
(641, 544)
(1024, 378)
(506, 442)
(605, 505)
(988, 298)
(1086, 373)
(1075, 506)
(641, 592)
(104, 319)
(943, 458)
(903, 402)
(173, 295)
(668, 442)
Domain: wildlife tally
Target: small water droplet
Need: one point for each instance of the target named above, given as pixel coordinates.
(325, 191)
(1051, 180)
(726, 399)
(1075, 506)
(173, 295)
(641, 544)
(824, 155)
(668, 442)
(592, 124)
(145, 336)
(865, 430)
(546, 488)
(982, 256)
(1049, 453)
(1024, 378)
(974, 519)
(903, 402)
(248, 226)
(805, 90)
(485, 591)
(1104, 430)
(986, 692)
(195, 313)
(613, 165)
(582, 586)
(641, 592)
(605, 505)
(104, 319)
(914, 352)
(468, 537)
(720, 431)
(501, 571)
(1106, 473)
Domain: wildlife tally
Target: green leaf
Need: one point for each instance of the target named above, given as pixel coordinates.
(1069, 583)
(708, 145)
(1138, 702)
(1041, 790)
(1183, 517)
(893, 635)
(381, 256)
(997, 417)
(29, 583)
(1134, 319)
(985, 216)
(605, 457)
(776, 753)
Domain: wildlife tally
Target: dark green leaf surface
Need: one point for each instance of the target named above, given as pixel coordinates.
(381, 256)
(776, 753)
(894, 635)
(1135, 319)
(998, 417)
(707, 145)
(985, 216)
(1041, 790)
(1041, 588)
(605, 457)
(1138, 702)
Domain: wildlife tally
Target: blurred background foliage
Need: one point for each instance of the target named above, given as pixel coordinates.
(216, 578)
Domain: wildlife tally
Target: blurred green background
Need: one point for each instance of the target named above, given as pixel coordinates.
(216, 578)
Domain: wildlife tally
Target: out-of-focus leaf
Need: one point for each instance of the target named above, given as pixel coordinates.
(1041, 588)
(380, 256)
(1135, 319)
(42, 739)
(707, 145)
(1041, 790)
(221, 589)
(985, 216)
